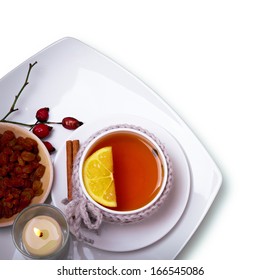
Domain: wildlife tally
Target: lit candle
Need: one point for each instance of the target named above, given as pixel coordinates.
(42, 236)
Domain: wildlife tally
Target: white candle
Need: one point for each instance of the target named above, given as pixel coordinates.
(42, 236)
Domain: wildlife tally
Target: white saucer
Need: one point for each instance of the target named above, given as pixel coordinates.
(120, 238)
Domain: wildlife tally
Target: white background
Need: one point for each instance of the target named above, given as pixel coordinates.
(203, 58)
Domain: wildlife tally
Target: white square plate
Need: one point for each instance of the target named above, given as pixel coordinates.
(72, 79)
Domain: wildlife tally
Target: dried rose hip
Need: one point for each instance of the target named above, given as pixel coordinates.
(42, 114)
(42, 130)
(71, 123)
(49, 146)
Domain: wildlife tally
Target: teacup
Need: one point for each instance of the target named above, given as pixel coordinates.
(141, 168)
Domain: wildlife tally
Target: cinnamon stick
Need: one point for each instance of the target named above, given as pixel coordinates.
(72, 147)
(75, 148)
(69, 161)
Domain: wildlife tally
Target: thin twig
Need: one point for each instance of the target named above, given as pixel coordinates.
(19, 123)
(12, 108)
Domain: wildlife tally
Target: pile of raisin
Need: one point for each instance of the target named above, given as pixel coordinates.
(20, 173)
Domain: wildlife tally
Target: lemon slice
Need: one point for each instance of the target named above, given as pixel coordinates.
(98, 177)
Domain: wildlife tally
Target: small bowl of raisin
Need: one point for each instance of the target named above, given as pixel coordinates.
(26, 171)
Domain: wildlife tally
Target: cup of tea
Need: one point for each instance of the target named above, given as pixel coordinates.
(141, 172)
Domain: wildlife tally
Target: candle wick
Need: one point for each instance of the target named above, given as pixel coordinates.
(41, 234)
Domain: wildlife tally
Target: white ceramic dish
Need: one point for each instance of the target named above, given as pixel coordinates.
(72, 77)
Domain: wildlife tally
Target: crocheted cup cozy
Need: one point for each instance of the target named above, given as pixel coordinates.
(82, 213)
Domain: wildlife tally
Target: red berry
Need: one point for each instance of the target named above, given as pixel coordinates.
(71, 123)
(42, 114)
(49, 146)
(42, 130)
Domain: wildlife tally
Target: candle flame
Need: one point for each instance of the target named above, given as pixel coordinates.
(37, 232)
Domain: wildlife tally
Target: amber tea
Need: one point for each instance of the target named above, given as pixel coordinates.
(138, 171)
